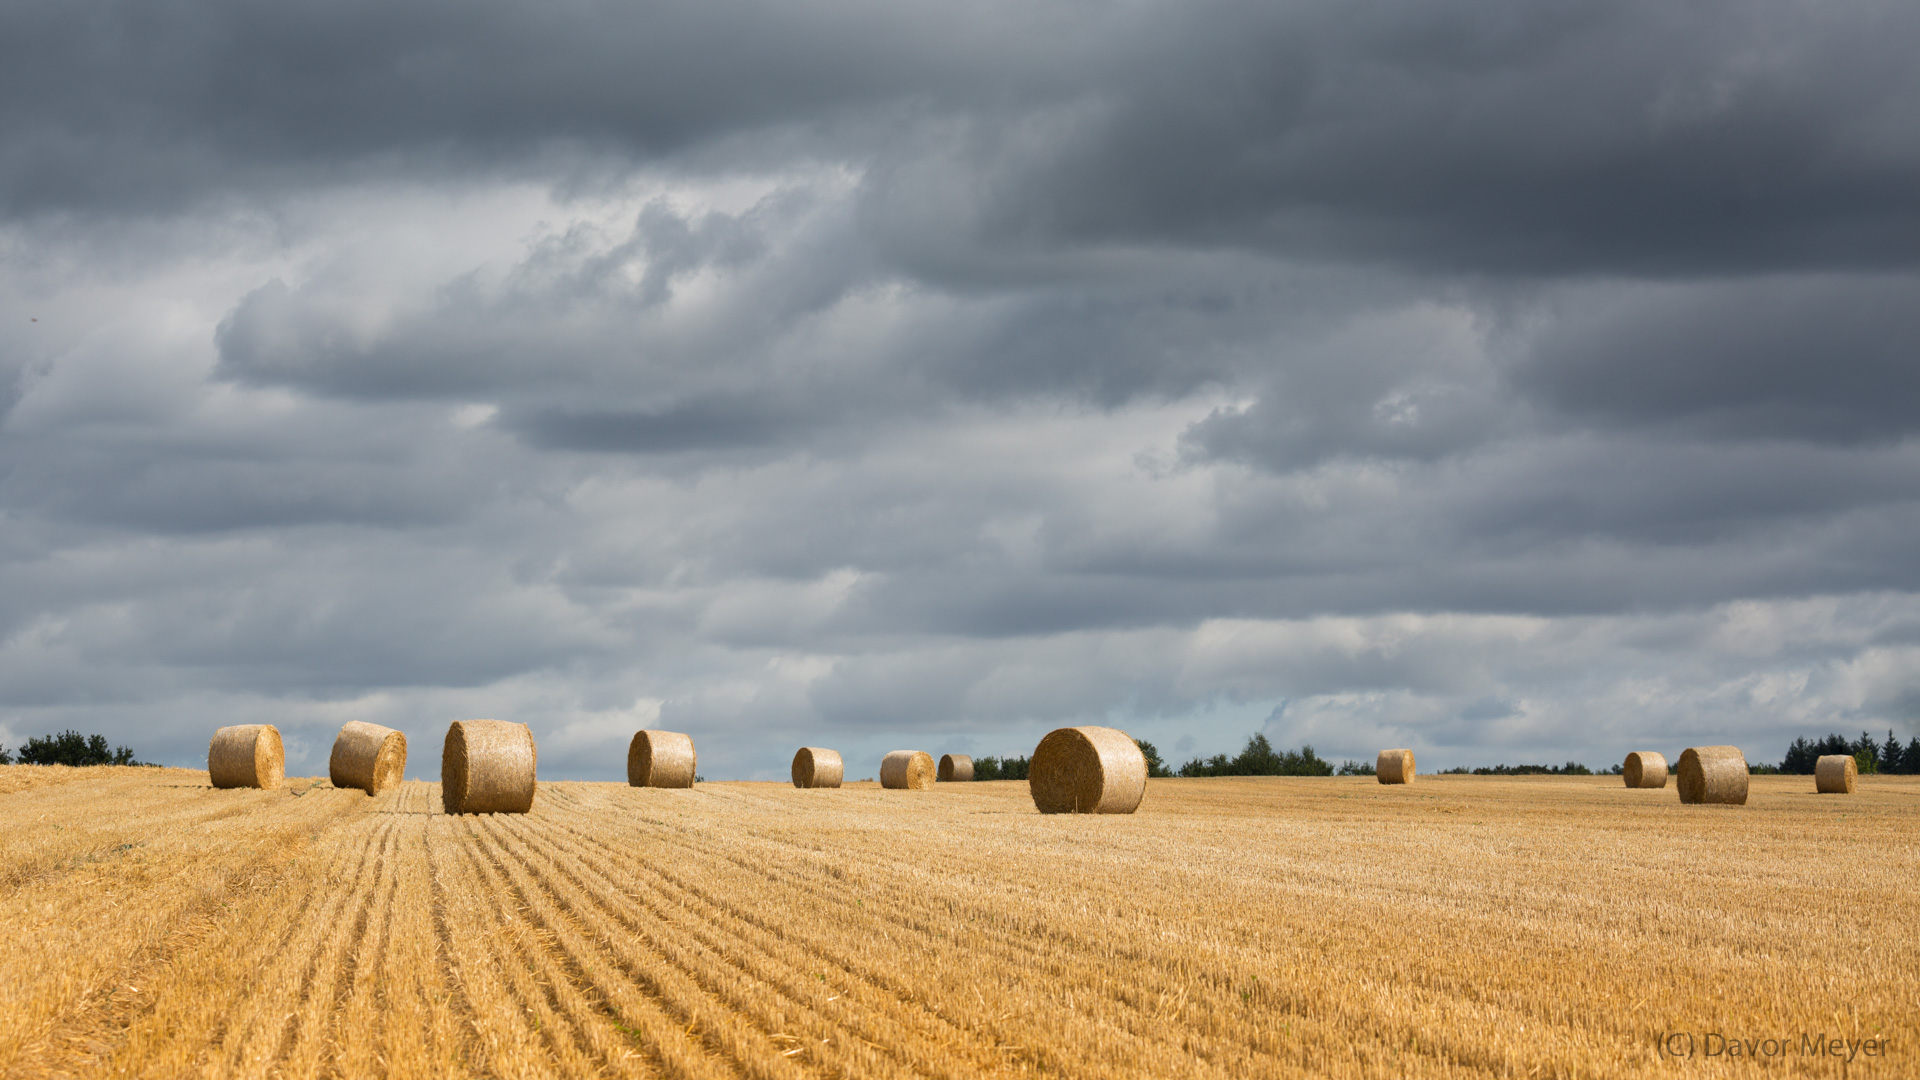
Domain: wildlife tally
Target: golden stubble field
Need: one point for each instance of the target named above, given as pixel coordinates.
(1234, 927)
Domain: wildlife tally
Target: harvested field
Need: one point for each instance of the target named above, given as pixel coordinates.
(1464, 926)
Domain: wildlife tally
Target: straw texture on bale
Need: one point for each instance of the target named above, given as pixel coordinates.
(1394, 767)
(1087, 770)
(815, 766)
(956, 767)
(367, 756)
(1713, 774)
(660, 759)
(1645, 769)
(487, 768)
(910, 770)
(1835, 774)
(247, 755)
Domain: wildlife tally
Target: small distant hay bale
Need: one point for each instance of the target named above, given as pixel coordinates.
(488, 768)
(1835, 774)
(1645, 769)
(660, 759)
(367, 756)
(1087, 770)
(247, 755)
(1394, 767)
(815, 766)
(955, 767)
(908, 770)
(1713, 774)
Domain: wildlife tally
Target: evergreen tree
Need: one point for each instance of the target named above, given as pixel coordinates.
(1890, 754)
(1800, 758)
(5, 758)
(1910, 761)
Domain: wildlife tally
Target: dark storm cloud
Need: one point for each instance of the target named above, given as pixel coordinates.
(1824, 358)
(1502, 135)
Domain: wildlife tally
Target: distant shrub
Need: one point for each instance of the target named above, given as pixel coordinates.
(1362, 768)
(72, 748)
(1571, 768)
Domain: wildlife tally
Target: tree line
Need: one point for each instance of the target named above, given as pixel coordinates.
(68, 748)
(1869, 755)
(1259, 758)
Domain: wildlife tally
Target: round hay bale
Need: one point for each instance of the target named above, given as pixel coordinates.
(955, 767)
(814, 766)
(487, 768)
(247, 755)
(1835, 774)
(660, 759)
(908, 770)
(1713, 774)
(1645, 769)
(1394, 767)
(367, 756)
(1087, 770)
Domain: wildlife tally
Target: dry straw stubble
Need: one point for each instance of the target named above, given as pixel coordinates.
(956, 768)
(247, 755)
(488, 767)
(1087, 770)
(908, 770)
(818, 767)
(661, 759)
(367, 756)
(1713, 774)
(1645, 769)
(1835, 774)
(1394, 767)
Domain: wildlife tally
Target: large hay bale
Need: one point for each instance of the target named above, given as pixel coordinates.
(1645, 769)
(1835, 774)
(488, 768)
(815, 766)
(1394, 767)
(1713, 774)
(1087, 770)
(660, 759)
(247, 755)
(367, 756)
(955, 767)
(909, 770)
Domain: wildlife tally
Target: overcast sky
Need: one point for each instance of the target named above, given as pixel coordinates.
(1514, 380)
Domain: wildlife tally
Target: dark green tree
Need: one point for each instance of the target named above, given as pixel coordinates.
(1910, 761)
(5, 758)
(1891, 754)
(72, 748)
(1155, 766)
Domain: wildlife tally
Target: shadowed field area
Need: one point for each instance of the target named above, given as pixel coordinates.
(1462, 926)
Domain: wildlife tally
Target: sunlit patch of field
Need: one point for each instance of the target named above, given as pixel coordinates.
(1543, 926)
